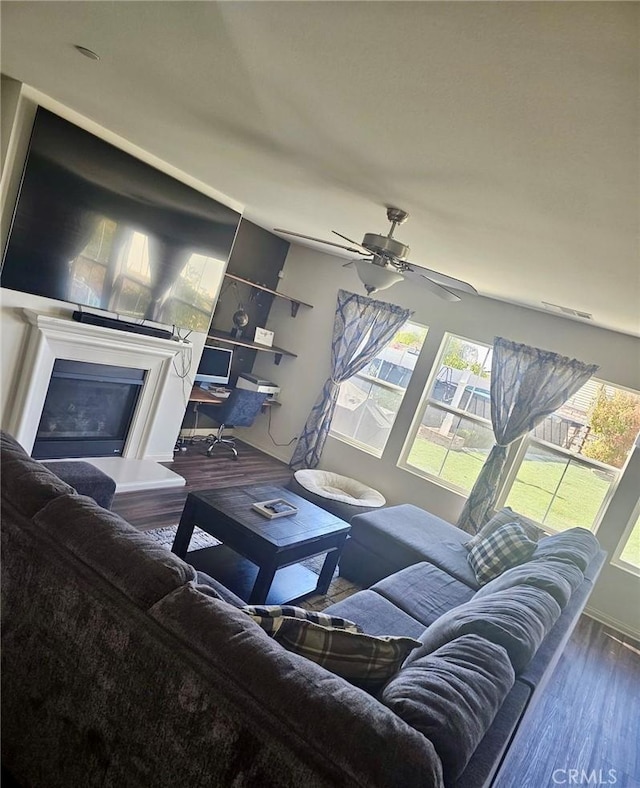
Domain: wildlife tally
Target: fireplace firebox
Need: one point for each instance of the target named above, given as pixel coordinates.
(88, 410)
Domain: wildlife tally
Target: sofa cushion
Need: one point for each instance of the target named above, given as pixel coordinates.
(367, 661)
(136, 565)
(452, 696)
(505, 547)
(316, 713)
(557, 578)
(376, 615)
(406, 535)
(27, 484)
(271, 617)
(504, 516)
(214, 588)
(517, 618)
(85, 479)
(576, 545)
(424, 591)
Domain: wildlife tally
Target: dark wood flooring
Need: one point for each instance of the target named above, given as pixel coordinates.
(157, 508)
(588, 717)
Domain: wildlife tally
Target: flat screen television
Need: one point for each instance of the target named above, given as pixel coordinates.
(215, 366)
(95, 226)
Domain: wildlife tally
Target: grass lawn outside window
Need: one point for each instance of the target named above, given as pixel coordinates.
(582, 489)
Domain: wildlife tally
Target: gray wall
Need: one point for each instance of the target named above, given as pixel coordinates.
(316, 278)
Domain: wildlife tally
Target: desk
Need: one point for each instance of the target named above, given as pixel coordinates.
(200, 396)
(204, 397)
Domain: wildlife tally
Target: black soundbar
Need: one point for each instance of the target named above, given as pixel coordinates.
(121, 325)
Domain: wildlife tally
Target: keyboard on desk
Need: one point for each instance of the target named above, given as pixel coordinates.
(220, 394)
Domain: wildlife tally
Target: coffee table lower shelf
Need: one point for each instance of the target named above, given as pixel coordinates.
(239, 574)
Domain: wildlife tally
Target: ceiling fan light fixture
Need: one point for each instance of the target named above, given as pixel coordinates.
(376, 277)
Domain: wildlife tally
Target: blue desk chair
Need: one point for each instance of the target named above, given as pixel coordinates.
(239, 410)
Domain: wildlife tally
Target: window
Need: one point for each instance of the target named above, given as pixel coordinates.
(573, 459)
(368, 403)
(453, 435)
(563, 474)
(629, 556)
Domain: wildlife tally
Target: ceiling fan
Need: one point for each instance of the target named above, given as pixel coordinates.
(383, 261)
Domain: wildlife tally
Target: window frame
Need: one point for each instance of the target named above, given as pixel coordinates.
(425, 401)
(516, 462)
(617, 559)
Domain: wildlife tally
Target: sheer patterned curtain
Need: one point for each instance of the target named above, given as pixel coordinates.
(527, 384)
(361, 329)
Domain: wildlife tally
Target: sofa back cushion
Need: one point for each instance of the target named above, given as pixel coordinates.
(557, 578)
(517, 618)
(27, 484)
(320, 715)
(576, 545)
(133, 563)
(452, 696)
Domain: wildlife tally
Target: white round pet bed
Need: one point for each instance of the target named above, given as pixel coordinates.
(339, 488)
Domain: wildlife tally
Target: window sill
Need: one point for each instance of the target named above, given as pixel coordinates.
(618, 563)
(427, 477)
(360, 446)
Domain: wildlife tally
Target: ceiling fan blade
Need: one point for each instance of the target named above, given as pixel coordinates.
(422, 279)
(319, 240)
(443, 279)
(340, 235)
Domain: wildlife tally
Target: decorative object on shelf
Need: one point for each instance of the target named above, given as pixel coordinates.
(278, 352)
(277, 507)
(295, 302)
(240, 321)
(263, 337)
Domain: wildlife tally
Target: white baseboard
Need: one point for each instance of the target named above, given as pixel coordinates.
(270, 450)
(614, 623)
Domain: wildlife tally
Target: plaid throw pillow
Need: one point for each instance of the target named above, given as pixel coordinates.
(507, 546)
(335, 643)
(271, 617)
(504, 516)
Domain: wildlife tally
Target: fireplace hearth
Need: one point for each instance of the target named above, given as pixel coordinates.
(88, 410)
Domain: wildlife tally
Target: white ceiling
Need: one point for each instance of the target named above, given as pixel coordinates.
(509, 131)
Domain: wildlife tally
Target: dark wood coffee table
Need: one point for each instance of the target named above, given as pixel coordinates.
(259, 559)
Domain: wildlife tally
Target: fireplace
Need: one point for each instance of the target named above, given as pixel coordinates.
(88, 410)
(162, 397)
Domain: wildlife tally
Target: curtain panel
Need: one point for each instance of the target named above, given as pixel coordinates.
(362, 328)
(527, 385)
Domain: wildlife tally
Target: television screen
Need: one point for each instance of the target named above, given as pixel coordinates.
(215, 365)
(97, 227)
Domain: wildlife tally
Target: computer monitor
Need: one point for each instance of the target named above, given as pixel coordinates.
(215, 366)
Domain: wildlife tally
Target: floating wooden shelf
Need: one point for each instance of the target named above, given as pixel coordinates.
(219, 336)
(295, 302)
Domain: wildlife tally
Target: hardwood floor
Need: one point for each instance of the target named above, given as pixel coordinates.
(588, 717)
(157, 508)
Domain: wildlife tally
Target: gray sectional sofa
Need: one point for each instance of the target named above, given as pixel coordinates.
(122, 666)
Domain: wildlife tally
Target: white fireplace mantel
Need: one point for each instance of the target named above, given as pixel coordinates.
(52, 338)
